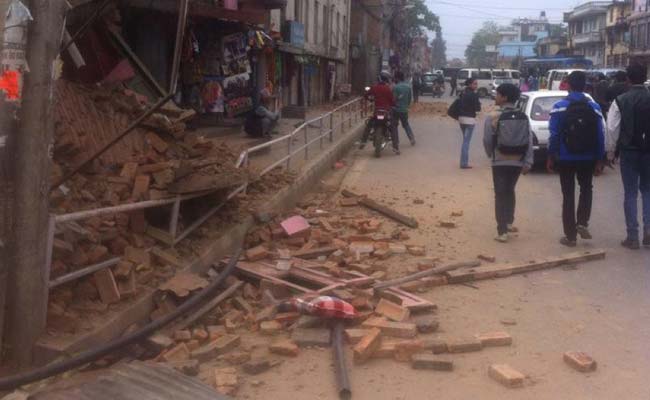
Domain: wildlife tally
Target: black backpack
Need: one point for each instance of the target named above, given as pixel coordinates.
(455, 108)
(512, 135)
(580, 131)
(641, 137)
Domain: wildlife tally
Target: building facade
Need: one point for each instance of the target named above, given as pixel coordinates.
(586, 31)
(551, 46)
(519, 40)
(617, 37)
(639, 28)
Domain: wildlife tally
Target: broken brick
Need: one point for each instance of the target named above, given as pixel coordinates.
(178, 353)
(354, 336)
(106, 286)
(257, 253)
(436, 346)
(236, 357)
(200, 334)
(392, 311)
(405, 350)
(488, 258)
(417, 251)
(495, 339)
(395, 329)
(348, 202)
(579, 361)
(138, 256)
(311, 337)
(256, 367)
(284, 347)
(156, 142)
(464, 345)
(183, 335)
(129, 170)
(270, 327)
(367, 346)
(506, 375)
(140, 187)
(431, 362)
(213, 349)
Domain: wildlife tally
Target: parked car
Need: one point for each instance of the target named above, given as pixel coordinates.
(427, 83)
(537, 106)
(486, 77)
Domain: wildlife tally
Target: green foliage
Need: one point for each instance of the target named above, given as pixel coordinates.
(475, 53)
(439, 51)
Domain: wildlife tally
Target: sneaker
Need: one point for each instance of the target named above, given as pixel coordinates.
(512, 229)
(397, 152)
(631, 244)
(412, 142)
(565, 241)
(584, 233)
(502, 238)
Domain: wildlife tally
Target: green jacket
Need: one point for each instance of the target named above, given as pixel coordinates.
(403, 96)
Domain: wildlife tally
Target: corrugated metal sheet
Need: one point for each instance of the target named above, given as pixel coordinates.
(136, 381)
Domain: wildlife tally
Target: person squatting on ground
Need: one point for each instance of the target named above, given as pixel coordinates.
(403, 97)
(509, 144)
(628, 138)
(576, 149)
(382, 94)
(470, 105)
(262, 121)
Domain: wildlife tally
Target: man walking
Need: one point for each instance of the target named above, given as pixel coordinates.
(403, 97)
(628, 135)
(454, 84)
(577, 149)
(508, 142)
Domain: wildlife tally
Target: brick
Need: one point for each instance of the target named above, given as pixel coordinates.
(311, 337)
(178, 353)
(200, 334)
(183, 335)
(491, 339)
(436, 346)
(354, 336)
(397, 248)
(386, 349)
(236, 357)
(271, 327)
(392, 311)
(488, 258)
(242, 305)
(215, 332)
(226, 378)
(141, 187)
(426, 323)
(464, 345)
(404, 351)
(367, 346)
(156, 142)
(363, 268)
(415, 286)
(417, 251)
(348, 202)
(506, 375)
(62, 248)
(97, 254)
(138, 256)
(188, 367)
(395, 329)
(431, 362)
(123, 269)
(220, 346)
(128, 287)
(129, 170)
(434, 281)
(159, 342)
(362, 247)
(257, 253)
(193, 345)
(580, 361)
(106, 286)
(284, 347)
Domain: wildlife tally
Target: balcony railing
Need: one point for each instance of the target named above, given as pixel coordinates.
(589, 37)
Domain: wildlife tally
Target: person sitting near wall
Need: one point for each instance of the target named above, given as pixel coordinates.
(261, 121)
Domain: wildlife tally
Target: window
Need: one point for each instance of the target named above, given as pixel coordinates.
(485, 75)
(541, 110)
(516, 75)
(462, 75)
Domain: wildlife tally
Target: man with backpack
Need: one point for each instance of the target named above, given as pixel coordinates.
(628, 137)
(508, 142)
(576, 149)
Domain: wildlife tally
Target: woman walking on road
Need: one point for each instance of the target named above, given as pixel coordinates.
(470, 105)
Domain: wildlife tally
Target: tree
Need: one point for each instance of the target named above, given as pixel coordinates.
(456, 63)
(439, 50)
(476, 53)
(412, 22)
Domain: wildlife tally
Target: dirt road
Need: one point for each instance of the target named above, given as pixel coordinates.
(601, 308)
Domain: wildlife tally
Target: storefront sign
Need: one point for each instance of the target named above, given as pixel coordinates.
(294, 33)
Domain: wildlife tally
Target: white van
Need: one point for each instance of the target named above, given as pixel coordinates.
(486, 78)
(554, 77)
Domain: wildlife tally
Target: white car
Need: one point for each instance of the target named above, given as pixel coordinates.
(537, 106)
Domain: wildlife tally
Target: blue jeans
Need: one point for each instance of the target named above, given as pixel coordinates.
(402, 117)
(635, 171)
(467, 130)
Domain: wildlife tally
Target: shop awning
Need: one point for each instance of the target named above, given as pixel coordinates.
(299, 51)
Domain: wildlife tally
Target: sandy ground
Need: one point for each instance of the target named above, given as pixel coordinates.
(599, 307)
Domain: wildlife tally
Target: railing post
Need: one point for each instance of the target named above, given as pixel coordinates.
(306, 132)
(351, 107)
(289, 140)
(173, 222)
(332, 127)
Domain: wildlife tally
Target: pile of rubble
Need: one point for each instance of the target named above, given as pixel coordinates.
(158, 160)
(436, 108)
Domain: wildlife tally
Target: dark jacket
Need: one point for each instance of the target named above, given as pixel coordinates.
(616, 90)
(556, 146)
(626, 104)
(470, 104)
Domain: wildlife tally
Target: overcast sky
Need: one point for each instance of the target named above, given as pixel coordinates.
(460, 19)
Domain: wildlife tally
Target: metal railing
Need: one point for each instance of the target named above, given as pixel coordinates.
(349, 113)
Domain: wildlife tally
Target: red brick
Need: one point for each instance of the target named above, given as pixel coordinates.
(138, 256)
(386, 349)
(354, 336)
(156, 142)
(106, 286)
(395, 329)
(495, 339)
(257, 253)
(464, 345)
(129, 170)
(97, 254)
(417, 251)
(348, 202)
(506, 375)
(217, 347)
(488, 258)
(178, 353)
(368, 345)
(392, 311)
(429, 361)
(271, 327)
(183, 335)
(404, 351)
(138, 221)
(200, 334)
(580, 361)
(141, 187)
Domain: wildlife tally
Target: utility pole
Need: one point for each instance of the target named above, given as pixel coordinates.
(27, 291)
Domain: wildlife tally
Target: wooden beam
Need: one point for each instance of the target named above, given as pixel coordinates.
(424, 274)
(382, 209)
(500, 271)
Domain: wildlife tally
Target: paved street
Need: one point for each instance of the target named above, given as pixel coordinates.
(601, 307)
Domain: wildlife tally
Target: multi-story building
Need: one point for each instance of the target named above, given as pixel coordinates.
(551, 46)
(367, 35)
(639, 22)
(587, 31)
(313, 51)
(617, 37)
(518, 41)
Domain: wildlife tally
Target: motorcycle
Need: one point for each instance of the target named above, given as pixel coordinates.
(379, 126)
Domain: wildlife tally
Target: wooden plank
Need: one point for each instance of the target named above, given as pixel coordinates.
(500, 271)
(382, 209)
(424, 274)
